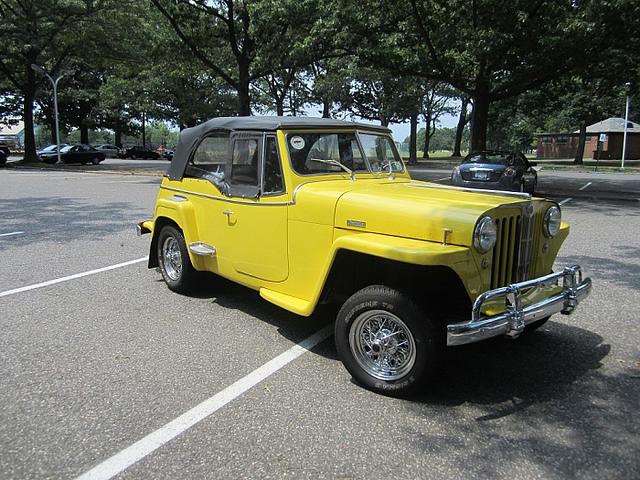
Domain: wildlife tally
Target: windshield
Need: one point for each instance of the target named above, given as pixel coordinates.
(320, 153)
(66, 149)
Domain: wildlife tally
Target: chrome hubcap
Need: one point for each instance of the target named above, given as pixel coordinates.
(382, 344)
(171, 258)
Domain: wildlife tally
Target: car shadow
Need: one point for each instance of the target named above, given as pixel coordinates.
(295, 328)
(64, 219)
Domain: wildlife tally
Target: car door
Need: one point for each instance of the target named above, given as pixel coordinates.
(255, 233)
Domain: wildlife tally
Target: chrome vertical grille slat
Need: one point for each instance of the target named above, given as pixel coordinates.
(504, 268)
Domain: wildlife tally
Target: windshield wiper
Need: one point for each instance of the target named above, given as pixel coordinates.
(335, 163)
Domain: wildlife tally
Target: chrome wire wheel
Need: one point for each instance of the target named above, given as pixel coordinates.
(172, 258)
(382, 345)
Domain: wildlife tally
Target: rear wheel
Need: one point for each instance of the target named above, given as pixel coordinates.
(386, 341)
(174, 262)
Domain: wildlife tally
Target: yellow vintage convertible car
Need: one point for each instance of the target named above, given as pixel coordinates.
(310, 210)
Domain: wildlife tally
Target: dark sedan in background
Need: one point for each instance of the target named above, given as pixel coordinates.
(82, 154)
(496, 170)
(138, 151)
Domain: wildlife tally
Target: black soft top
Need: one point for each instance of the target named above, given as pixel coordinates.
(190, 137)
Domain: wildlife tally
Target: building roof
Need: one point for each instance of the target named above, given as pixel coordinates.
(14, 129)
(612, 125)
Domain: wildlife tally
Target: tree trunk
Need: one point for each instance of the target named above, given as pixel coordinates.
(117, 137)
(84, 132)
(462, 121)
(326, 108)
(280, 106)
(244, 98)
(413, 139)
(27, 112)
(427, 136)
(578, 160)
(480, 118)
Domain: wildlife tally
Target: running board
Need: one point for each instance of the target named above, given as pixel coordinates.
(203, 249)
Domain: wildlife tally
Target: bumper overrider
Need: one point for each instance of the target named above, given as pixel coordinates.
(512, 322)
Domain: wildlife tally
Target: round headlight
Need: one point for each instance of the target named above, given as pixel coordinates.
(485, 234)
(552, 221)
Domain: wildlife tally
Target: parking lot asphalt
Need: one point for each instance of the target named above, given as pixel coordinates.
(91, 365)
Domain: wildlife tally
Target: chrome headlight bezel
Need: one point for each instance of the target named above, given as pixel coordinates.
(485, 234)
(552, 221)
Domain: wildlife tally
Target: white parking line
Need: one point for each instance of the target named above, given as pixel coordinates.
(10, 233)
(584, 186)
(147, 445)
(566, 200)
(70, 277)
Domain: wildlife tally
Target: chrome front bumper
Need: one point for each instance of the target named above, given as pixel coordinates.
(511, 323)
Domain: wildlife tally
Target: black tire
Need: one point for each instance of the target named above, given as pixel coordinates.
(96, 160)
(373, 304)
(183, 279)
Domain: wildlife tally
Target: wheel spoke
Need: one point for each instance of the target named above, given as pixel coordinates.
(382, 344)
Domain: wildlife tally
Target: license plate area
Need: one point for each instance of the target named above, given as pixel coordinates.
(480, 175)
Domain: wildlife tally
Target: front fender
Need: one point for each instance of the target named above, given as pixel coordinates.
(405, 250)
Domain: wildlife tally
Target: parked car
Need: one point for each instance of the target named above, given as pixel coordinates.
(110, 151)
(138, 151)
(496, 170)
(4, 153)
(82, 154)
(168, 154)
(50, 148)
(307, 211)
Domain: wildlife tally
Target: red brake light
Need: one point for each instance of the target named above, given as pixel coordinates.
(509, 171)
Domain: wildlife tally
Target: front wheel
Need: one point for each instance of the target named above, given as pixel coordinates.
(386, 341)
(174, 262)
(96, 160)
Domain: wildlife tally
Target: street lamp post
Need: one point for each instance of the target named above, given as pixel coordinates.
(54, 83)
(626, 123)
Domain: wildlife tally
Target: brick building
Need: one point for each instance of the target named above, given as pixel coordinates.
(565, 145)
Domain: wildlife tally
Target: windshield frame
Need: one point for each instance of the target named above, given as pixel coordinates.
(337, 131)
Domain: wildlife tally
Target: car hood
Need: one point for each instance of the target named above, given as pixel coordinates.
(410, 208)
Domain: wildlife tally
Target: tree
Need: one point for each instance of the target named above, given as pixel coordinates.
(489, 50)
(435, 103)
(43, 32)
(463, 120)
(237, 41)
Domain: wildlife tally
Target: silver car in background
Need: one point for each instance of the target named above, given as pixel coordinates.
(496, 170)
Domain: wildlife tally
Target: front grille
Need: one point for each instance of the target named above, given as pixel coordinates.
(505, 252)
(513, 252)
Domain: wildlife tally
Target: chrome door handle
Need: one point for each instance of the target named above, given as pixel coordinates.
(227, 212)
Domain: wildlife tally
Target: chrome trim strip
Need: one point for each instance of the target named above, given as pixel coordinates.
(512, 322)
(474, 190)
(178, 198)
(229, 200)
(203, 249)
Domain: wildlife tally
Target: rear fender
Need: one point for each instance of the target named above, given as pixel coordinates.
(177, 211)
